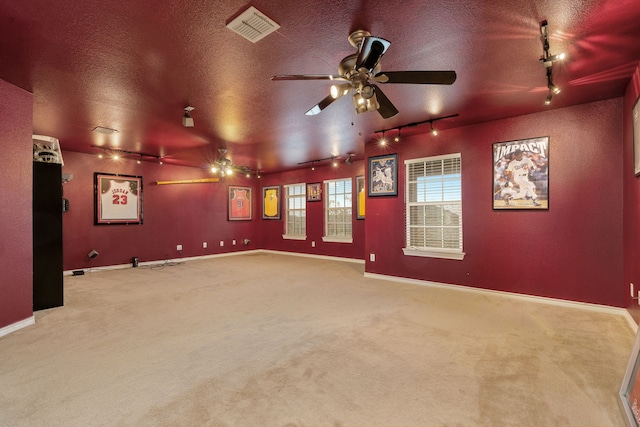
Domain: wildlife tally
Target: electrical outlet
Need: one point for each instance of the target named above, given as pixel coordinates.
(631, 289)
(204, 245)
(638, 298)
(179, 247)
(233, 242)
(221, 242)
(313, 244)
(372, 257)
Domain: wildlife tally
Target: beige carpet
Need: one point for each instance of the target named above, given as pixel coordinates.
(277, 340)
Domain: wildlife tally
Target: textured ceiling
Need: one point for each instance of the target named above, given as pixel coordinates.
(134, 65)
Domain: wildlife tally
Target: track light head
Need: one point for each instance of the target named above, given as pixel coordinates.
(383, 140)
(349, 160)
(548, 100)
(433, 131)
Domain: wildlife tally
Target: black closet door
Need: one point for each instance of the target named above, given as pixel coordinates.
(47, 236)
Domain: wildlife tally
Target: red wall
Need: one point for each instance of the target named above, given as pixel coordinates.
(631, 201)
(179, 214)
(272, 230)
(16, 243)
(572, 251)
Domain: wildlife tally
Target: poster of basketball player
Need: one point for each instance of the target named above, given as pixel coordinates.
(239, 203)
(383, 175)
(271, 202)
(521, 174)
(118, 199)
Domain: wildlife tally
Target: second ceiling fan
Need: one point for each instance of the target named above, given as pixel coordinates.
(360, 72)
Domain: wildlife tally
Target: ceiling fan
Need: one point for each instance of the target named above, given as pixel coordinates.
(360, 71)
(222, 166)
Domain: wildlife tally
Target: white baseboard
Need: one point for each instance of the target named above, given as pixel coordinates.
(327, 257)
(159, 262)
(532, 298)
(17, 326)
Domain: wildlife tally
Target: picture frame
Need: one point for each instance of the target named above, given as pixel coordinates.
(240, 206)
(271, 202)
(314, 192)
(635, 118)
(383, 175)
(118, 199)
(360, 197)
(629, 395)
(521, 174)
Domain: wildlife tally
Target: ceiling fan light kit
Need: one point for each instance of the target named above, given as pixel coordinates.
(360, 72)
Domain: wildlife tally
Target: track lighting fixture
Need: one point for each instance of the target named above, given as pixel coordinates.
(334, 162)
(398, 128)
(548, 60)
(187, 120)
(119, 154)
(349, 158)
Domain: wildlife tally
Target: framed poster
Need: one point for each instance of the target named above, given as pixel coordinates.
(314, 192)
(271, 202)
(117, 199)
(521, 174)
(360, 193)
(383, 175)
(239, 203)
(630, 388)
(636, 137)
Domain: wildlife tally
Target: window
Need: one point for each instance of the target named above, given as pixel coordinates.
(337, 211)
(434, 207)
(295, 225)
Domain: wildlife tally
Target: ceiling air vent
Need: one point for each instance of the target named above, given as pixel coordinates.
(253, 25)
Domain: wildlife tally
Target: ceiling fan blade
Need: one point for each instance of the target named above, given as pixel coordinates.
(370, 52)
(417, 77)
(387, 109)
(309, 77)
(316, 109)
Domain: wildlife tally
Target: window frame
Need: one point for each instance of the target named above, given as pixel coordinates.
(425, 251)
(303, 196)
(327, 199)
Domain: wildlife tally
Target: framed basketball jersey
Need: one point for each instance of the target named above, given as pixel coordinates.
(271, 202)
(117, 199)
(239, 203)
